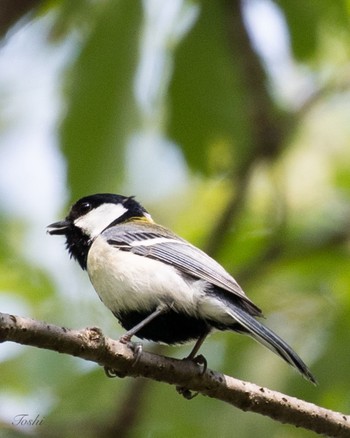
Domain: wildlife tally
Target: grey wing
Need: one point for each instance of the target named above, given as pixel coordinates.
(160, 244)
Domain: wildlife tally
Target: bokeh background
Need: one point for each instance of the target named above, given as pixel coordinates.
(229, 121)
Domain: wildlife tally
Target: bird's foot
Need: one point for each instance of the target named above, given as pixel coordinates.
(112, 372)
(136, 348)
(198, 360)
(125, 338)
(201, 361)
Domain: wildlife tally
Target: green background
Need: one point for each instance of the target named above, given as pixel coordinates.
(265, 189)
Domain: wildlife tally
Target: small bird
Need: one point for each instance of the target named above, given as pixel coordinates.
(158, 285)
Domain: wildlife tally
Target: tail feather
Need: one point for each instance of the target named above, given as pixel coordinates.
(267, 337)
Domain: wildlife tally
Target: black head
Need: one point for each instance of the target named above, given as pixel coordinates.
(91, 215)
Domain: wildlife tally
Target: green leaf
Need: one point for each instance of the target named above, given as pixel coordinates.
(307, 20)
(101, 108)
(207, 104)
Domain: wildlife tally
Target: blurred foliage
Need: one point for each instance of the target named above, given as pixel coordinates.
(207, 98)
(267, 193)
(307, 20)
(101, 112)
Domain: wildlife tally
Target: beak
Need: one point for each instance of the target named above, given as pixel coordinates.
(58, 227)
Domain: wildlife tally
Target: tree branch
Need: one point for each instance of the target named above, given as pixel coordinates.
(90, 344)
(268, 125)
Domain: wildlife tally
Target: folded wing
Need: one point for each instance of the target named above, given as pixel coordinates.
(154, 241)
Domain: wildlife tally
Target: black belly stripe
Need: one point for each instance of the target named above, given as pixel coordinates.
(170, 328)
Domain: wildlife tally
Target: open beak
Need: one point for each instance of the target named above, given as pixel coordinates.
(58, 227)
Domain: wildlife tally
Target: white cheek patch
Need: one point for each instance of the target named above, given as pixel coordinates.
(94, 222)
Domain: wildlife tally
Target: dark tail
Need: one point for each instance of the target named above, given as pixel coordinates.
(268, 338)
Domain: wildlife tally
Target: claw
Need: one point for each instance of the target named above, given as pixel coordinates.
(202, 361)
(186, 393)
(137, 348)
(111, 373)
(198, 360)
(125, 339)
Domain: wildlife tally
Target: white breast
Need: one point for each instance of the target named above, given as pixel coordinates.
(125, 281)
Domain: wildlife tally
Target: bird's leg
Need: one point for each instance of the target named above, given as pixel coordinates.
(197, 346)
(126, 337)
(200, 360)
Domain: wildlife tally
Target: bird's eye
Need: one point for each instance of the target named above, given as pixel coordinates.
(85, 207)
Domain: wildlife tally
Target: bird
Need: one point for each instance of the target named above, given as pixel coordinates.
(159, 286)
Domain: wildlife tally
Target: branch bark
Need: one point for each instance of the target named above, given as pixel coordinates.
(90, 344)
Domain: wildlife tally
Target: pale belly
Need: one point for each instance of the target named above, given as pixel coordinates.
(125, 281)
(133, 286)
